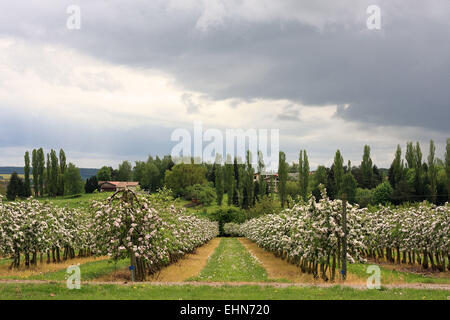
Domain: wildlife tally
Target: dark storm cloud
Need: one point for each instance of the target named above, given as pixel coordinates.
(396, 76)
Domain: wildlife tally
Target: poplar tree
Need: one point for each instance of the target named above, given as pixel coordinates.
(219, 179)
(35, 164)
(48, 176)
(54, 170)
(338, 172)
(303, 174)
(447, 165)
(229, 179)
(250, 176)
(432, 173)
(27, 184)
(282, 177)
(418, 169)
(62, 170)
(262, 183)
(240, 186)
(367, 168)
(41, 170)
(409, 155)
(397, 169)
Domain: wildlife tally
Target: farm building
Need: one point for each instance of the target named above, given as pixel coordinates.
(108, 186)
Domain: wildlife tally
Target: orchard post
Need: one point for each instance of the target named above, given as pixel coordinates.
(344, 240)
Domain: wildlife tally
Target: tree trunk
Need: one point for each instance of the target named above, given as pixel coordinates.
(425, 259)
(333, 268)
(27, 259)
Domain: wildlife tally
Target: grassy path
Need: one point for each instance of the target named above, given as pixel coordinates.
(232, 262)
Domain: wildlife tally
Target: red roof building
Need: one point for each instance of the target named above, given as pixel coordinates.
(111, 186)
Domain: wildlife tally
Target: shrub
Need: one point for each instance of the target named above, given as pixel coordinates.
(364, 197)
(382, 193)
(203, 193)
(264, 206)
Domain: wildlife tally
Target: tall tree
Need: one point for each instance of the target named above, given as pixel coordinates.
(48, 175)
(432, 172)
(282, 177)
(54, 173)
(397, 169)
(125, 171)
(184, 175)
(240, 185)
(349, 186)
(320, 177)
(447, 165)
(219, 175)
(41, 170)
(418, 178)
(249, 181)
(15, 187)
(104, 174)
(261, 183)
(62, 170)
(367, 168)
(27, 184)
(72, 180)
(410, 155)
(229, 179)
(338, 173)
(91, 184)
(35, 164)
(303, 174)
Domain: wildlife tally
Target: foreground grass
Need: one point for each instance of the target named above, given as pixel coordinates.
(153, 292)
(232, 262)
(393, 276)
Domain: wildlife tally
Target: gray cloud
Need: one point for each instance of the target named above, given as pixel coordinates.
(395, 76)
(310, 53)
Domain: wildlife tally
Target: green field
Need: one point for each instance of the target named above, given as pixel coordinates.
(79, 201)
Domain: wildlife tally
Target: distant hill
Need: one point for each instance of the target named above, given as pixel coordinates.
(85, 172)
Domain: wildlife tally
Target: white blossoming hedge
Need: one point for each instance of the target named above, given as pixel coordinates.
(311, 236)
(232, 229)
(147, 229)
(418, 234)
(34, 229)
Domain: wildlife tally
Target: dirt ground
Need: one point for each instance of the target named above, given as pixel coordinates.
(278, 268)
(41, 268)
(188, 267)
(414, 269)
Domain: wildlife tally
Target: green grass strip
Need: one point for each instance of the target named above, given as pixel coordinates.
(232, 262)
(151, 292)
(389, 276)
(89, 271)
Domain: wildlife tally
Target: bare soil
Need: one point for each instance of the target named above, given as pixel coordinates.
(40, 268)
(189, 266)
(278, 268)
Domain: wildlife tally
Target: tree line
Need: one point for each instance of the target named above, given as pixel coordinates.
(45, 175)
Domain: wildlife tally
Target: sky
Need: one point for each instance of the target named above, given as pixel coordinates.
(117, 87)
